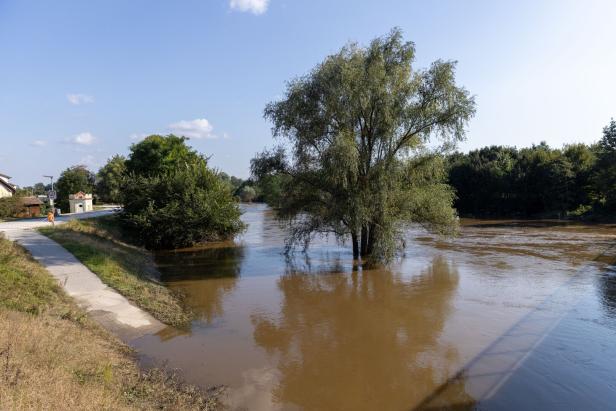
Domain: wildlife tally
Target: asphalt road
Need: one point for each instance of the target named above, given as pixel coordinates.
(29, 223)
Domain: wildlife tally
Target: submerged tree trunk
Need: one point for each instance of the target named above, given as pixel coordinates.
(367, 240)
(371, 239)
(355, 245)
(364, 241)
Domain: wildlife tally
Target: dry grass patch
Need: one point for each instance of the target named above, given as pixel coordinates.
(53, 357)
(128, 269)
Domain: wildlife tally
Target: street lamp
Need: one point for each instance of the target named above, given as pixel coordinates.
(51, 194)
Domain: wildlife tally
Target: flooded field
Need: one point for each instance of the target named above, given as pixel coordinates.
(510, 315)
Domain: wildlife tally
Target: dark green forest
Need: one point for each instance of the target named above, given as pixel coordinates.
(577, 180)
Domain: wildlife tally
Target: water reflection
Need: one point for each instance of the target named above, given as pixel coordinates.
(213, 261)
(607, 284)
(315, 332)
(367, 340)
(186, 272)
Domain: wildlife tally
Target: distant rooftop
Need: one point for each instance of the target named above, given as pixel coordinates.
(31, 201)
(5, 183)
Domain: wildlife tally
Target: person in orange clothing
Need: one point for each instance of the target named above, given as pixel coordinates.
(51, 218)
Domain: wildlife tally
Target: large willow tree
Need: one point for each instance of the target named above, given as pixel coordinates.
(359, 161)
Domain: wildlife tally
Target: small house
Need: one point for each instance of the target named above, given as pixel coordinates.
(6, 189)
(30, 207)
(80, 202)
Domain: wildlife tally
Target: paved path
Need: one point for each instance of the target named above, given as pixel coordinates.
(102, 303)
(42, 222)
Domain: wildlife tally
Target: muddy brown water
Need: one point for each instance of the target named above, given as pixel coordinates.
(509, 315)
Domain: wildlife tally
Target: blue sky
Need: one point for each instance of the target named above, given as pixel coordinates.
(82, 80)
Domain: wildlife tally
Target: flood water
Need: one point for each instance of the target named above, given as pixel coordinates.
(510, 315)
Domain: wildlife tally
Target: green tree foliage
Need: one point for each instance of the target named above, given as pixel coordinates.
(233, 182)
(270, 188)
(483, 178)
(531, 182)
(109, 180)
(10, 206)
(583, 159)
(247, 194)
(357, 129)
(182, 203)
(605, 180)
(543, 180)
(40, 189)
(35, 190)
(157, 155)
(71, 181)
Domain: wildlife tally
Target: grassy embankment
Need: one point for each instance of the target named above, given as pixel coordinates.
(100, 245)
(53, 357)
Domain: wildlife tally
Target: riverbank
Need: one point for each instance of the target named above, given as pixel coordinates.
(129, 269)
(590, 217)
(54, 356)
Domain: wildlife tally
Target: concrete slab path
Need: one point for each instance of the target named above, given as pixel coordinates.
(103, 304)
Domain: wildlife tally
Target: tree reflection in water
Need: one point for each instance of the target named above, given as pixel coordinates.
(184, 271)
(366, 340)
(607, 284)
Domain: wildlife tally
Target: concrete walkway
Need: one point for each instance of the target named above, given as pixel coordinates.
(102, 303)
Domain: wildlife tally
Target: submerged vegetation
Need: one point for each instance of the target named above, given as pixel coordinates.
(130, 270)
(53, 357)
(358, 163)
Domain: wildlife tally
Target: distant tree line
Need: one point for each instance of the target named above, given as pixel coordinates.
(540, 181)
(267, 189)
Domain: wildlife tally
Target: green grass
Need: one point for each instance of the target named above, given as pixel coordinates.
(128, 269)
(53, 357)
(24, 285)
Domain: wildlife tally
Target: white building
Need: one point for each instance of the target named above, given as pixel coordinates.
(6, 189)
(80, 202)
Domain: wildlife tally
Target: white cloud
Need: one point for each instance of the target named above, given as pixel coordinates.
(77, 99)
(83, 139)
(39, 143)
(252, 6)
(197, 128)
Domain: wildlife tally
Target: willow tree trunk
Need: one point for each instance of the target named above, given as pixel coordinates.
(371, 239)
(364, 241)
(355, 242)
(367, 240)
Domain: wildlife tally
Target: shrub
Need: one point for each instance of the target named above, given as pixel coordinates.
(10, 207)
(180, 208)
(247, 194)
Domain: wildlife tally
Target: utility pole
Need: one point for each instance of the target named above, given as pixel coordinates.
(51, 195)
